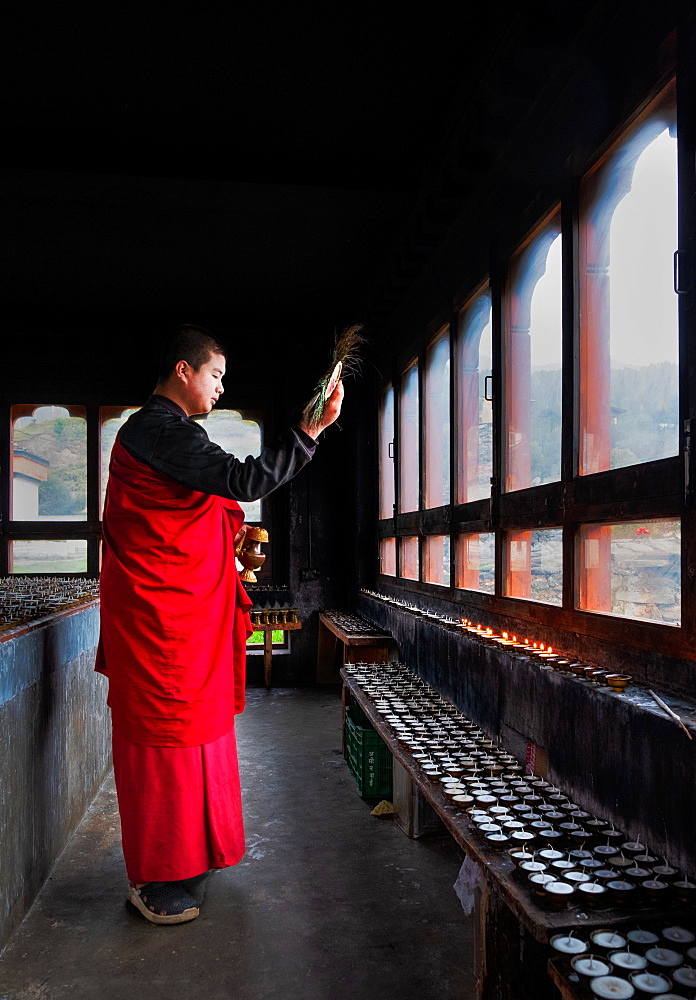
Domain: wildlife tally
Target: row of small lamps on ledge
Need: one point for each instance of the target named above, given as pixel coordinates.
(538, 651)
(28, 598)
(561, 852)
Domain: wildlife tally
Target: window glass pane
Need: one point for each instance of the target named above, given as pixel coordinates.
(535, 565)
(386, 453)
(628, 308)
(278, 638)
(410, 558)
(476, 562)
(408, 440)
(475, 413)
(64, 556)
(437, 559)
(112, 419)
(387, 556)
(631, 569)
(437, 423)
(533, 318)
(49, 463)
(240, 437)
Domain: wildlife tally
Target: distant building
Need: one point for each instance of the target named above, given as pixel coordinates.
(28, 471)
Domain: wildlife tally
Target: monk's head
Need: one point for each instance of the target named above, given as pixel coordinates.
(191, 370)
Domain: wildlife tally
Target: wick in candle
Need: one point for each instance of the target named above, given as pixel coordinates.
(590, 964)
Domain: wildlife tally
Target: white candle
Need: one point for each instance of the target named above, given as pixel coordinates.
(568, 945)
(591, 888)
(549, 854)
(663, 956)
(608, 939)
(680, 935)
(560, 889)
(627, 960)
(577, 878)
(642, 937)
(648, 982)
(611, 988)
(590, 965)
(540, 878)
(686, 976)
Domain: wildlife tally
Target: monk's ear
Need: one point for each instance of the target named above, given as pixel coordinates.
(181, 369)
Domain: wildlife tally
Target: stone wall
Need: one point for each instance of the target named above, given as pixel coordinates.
(54, 749)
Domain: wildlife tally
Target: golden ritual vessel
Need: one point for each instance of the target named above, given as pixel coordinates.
(249, 552)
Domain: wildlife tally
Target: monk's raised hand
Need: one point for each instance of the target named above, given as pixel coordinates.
(332, 410)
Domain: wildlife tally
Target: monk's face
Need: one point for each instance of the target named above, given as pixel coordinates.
(203, 388)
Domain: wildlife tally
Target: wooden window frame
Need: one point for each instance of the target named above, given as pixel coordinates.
(90, 529)
(656, 489)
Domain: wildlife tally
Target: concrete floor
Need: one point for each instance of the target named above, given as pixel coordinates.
(329, 903)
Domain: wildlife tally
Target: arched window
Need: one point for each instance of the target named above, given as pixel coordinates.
(533, 361)
(386, 453)
(628, 308)
(437, 422)
(409, 445)
(474, 409)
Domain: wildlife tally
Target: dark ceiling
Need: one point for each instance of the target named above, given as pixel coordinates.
(235, 163)
(325, 96)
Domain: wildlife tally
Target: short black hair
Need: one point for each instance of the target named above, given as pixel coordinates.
(192, 344)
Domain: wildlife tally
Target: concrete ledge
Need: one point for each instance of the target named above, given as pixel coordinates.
(618, 755)
(54, 750)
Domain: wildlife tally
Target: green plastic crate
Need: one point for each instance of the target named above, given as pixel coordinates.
(369, 758)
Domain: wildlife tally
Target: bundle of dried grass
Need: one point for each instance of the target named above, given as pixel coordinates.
(344, 361)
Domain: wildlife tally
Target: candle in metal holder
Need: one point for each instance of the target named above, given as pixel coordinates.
(627, 960)
(538, 881)
(685, 976)
(533, 867)
(498, 841)
(589, 865)
(620, 861)
(637, 875)
(607, 939)
(650, 982)
(551, 836)
(605, 851)
(463, 802)
(678, 935)
(633, 847)
(684, 890)
(568, 945)
(591, 965)
(666, 958)
(519, 855)
(622, 891)
(560, 893)
(654, 890)
(612, 988)
(592, 893)
(646, 860)
(549, 854)
(576, 878)
(665, 873)
(639, 936)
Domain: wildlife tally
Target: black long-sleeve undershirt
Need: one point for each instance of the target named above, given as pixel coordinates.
(161, 435)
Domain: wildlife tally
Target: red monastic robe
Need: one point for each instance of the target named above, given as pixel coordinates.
(174, 615)
(174, 624)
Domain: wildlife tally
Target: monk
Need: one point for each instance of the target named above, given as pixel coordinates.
(174, 625)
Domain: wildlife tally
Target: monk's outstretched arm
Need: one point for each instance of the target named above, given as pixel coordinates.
(161, 435)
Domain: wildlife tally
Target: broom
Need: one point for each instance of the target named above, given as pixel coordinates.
(344, 361)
